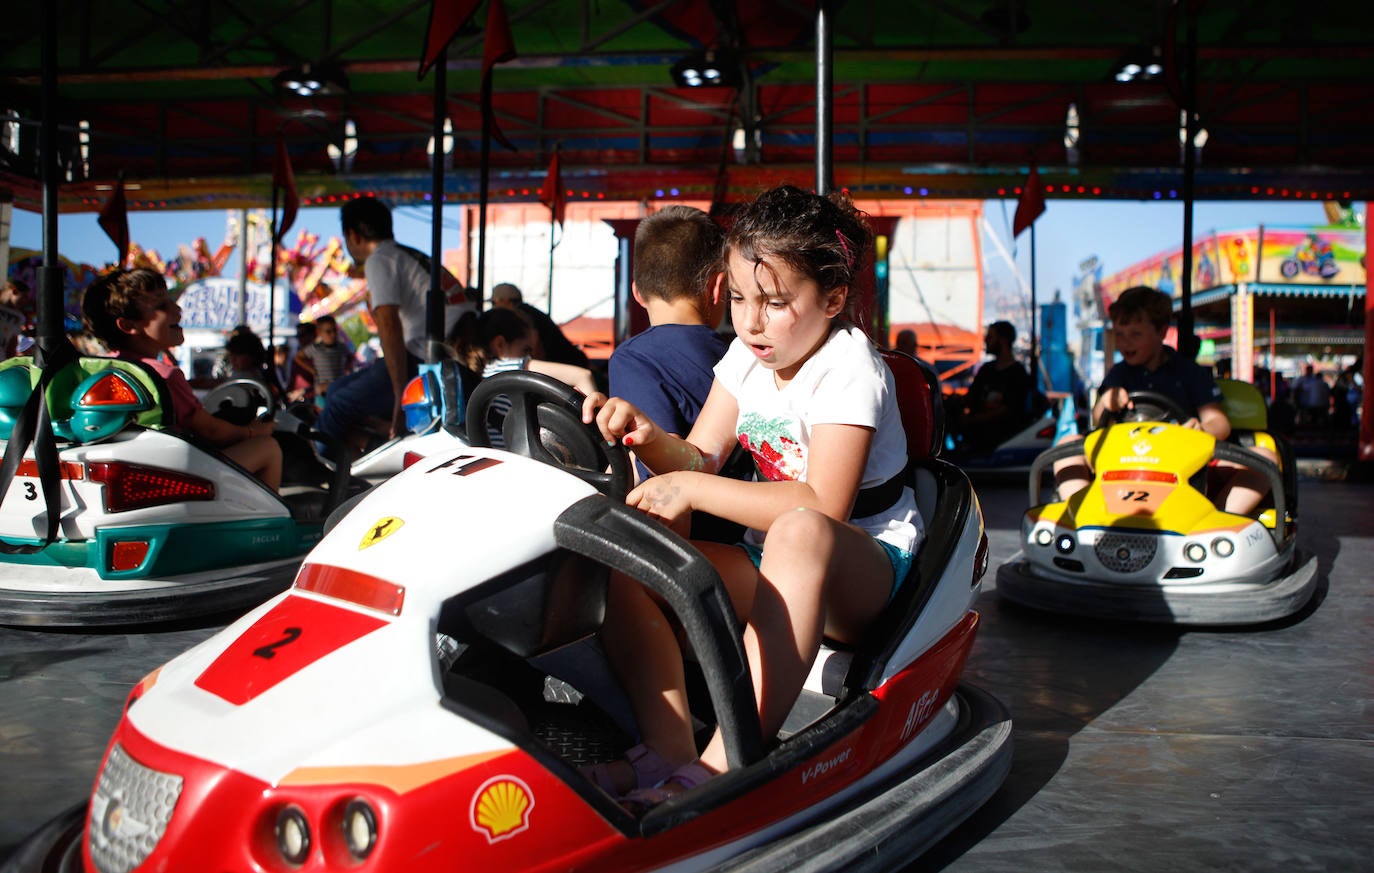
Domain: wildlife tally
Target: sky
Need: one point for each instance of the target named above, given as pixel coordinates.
(1118, 233)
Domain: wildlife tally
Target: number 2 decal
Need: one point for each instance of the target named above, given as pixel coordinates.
(269, 651)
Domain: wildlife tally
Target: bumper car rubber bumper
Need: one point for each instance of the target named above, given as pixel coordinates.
(1169, 604)
(895, 822)
(108, 604)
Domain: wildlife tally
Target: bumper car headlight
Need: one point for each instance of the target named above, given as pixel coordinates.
(1065, 544)
(1042, 537)
(1223, 548)
(1195, 552)
(359, 828)
(293, 835)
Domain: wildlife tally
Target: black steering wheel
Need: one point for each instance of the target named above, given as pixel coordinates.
(545, 423)
(238, 401)
(1149, 406)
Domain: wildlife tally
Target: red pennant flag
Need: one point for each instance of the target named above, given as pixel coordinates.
(114, 220)
(446, 18)
(551, 193)
(499, 47)
(283, 179)
(1031, 205)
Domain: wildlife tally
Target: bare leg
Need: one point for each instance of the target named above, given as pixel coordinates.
(1244, 488)
(1072, 475)
(261, 456)
(643, 649)
(818, 576)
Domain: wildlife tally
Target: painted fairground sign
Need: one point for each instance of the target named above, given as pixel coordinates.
(1312, 256)
(214, 304)
(1280, 255)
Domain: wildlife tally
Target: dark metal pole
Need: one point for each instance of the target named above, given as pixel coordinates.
(483, 186)
(1035, 319)
(434, 301)
(272, 271)
(1185, 318)
(825, 80)
(51, 334)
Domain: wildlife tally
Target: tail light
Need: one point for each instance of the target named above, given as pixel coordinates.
(111, 388)
(1140, 476)
(420, 401)
(103, 404)
(352, 586)
(134, 486)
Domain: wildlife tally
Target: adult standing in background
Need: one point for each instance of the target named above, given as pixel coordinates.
(553, 345)
(397, 286)
(1313, 397)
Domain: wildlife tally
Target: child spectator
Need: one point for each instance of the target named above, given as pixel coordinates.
(131, 312)
(833, 526)
(325, 359)
(14, 316)
(1140, 319)
(666, 371)
(500, 340)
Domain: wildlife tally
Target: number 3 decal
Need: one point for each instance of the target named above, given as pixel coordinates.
(30, 491)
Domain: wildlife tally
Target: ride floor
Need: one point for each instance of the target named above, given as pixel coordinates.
(1137, 748)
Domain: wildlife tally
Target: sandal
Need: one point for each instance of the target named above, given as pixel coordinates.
(649, 770)
(684, 778)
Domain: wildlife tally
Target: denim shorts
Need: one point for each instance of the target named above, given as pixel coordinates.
(901, 562)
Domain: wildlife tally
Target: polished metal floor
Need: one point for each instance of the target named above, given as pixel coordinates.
(1137, 748)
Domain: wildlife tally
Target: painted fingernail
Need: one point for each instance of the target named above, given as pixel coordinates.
(629, 441)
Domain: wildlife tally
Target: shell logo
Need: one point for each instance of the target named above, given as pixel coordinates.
(379, 531)
(501, 808)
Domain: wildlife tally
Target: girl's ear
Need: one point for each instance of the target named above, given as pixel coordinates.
(835, 300)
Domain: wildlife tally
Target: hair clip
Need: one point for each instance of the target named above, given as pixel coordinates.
(844, 245)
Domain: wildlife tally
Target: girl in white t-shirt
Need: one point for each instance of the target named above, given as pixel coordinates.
(832, 526)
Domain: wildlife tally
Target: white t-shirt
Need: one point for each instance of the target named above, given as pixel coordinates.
(395, 278)
(844, 382)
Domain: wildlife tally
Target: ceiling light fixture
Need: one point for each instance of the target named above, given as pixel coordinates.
(707, 69)
(1139, 67)
(312, 80)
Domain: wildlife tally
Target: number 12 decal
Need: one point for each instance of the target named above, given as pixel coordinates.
(1135, 496)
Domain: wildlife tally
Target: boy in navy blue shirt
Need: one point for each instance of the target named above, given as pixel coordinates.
(667, 370)
(1140, 319)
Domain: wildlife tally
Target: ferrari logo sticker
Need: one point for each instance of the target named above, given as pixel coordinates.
(380, 531)
(501, 808)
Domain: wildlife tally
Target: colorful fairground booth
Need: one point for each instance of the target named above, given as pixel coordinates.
(1266, 299)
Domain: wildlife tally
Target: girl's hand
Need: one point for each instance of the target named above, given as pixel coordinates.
(1193, 424)
(618, 420)
(666, 497)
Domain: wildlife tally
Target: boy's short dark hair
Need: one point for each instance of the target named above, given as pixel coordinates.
(1005, 329)
(677, 250)
(1142, 301)
(325, 319)
(368, 217)
(118, 294)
